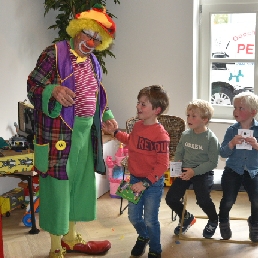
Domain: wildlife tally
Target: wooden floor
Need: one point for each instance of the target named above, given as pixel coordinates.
(117, 229)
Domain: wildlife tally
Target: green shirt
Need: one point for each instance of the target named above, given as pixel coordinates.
(198, 151)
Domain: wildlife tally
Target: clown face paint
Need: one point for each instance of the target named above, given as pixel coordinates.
(93, 35)
(84, 48)
(87, 41)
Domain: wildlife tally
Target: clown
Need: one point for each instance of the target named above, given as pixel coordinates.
(70, 107)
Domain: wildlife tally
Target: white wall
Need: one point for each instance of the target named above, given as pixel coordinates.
(24, 35)
(153, 45)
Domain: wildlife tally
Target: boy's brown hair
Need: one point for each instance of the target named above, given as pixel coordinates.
(157, 96)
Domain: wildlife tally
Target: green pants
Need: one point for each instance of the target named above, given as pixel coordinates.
(62, 201)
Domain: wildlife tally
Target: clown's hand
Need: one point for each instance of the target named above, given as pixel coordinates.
(109, 126)
(63, 95)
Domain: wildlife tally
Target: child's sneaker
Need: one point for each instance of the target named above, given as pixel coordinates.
(253, 231)
(154, 255)
(209, 229)
(225, 230)
(139, 247)
(189, 220)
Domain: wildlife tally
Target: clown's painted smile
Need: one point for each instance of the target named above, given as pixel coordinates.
(85, 49)
(86, 42)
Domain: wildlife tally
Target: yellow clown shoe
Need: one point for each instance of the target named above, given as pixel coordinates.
(57, 253)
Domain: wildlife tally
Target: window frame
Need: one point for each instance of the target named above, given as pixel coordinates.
(205, 60)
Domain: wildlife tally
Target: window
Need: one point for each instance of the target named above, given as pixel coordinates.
(228, 55)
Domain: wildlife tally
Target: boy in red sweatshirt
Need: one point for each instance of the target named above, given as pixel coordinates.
(148, 150)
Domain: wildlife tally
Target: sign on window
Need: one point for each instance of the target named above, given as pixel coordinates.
(232, 56)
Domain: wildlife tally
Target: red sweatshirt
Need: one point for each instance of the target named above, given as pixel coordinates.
(148, 150)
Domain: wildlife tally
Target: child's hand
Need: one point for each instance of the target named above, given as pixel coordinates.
(252, 141)
(138, 187)
(238, 139)
(187, 174)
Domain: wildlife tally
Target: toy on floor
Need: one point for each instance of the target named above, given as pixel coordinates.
(12, 200)
(27, 216)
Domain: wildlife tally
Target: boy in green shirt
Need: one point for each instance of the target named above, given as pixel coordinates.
(198, 150)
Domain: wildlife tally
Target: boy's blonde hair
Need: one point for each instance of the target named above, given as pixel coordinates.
(249, 99)
(203, 107)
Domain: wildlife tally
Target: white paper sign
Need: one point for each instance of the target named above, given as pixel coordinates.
(245, 133)
(175, 169)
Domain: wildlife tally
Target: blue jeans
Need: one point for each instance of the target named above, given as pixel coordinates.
(231, 182)
(144, 214)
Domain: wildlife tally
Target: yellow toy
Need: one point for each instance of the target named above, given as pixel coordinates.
(167, 179)
(11, 200)
(16, 163)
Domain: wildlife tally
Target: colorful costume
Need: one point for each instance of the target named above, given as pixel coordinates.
(68, 142)
(40, 96)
